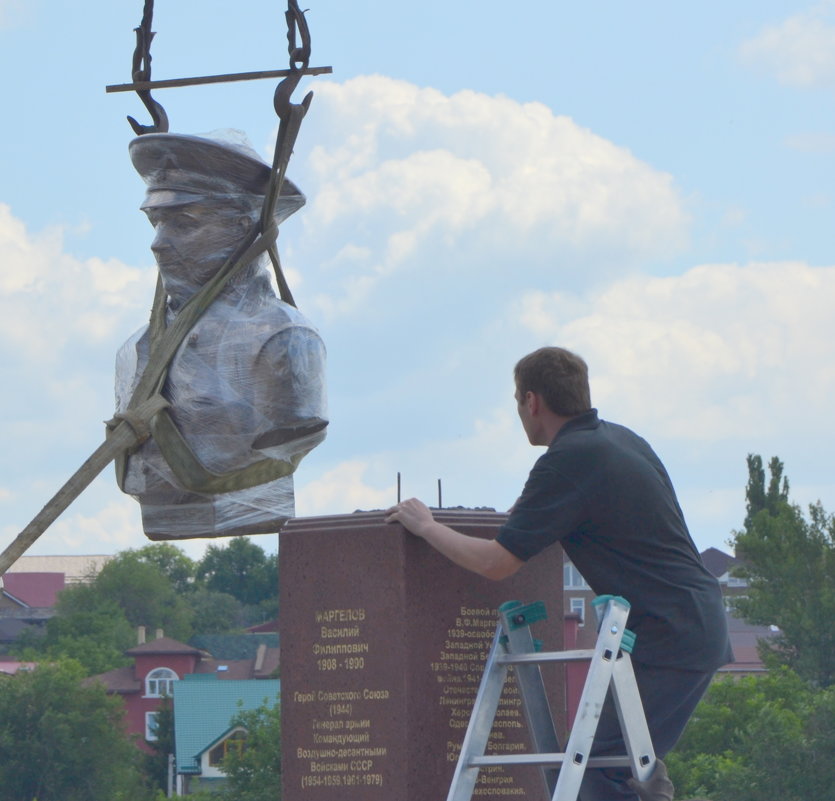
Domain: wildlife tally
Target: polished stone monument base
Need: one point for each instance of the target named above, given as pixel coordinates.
(382, 648)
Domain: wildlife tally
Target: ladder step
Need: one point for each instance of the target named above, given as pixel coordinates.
(610, 667)
(545, 656)
(545, 759)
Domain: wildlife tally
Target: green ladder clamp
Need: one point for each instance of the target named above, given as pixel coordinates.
(610, 667)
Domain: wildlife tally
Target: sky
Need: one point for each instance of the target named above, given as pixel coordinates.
(650, 184)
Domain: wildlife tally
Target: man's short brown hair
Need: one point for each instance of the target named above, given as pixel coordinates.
(559, 376)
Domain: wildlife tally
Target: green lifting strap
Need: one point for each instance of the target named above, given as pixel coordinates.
(164, 344)
(193, 476)
(165, 340)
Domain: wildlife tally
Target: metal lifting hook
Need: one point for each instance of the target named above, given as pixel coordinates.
(141, 71)
(299, 61)
(299, 65)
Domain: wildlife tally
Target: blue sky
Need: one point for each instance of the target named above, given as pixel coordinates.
(650, 184)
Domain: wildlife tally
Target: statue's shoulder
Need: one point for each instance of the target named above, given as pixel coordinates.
(277, 316)
(129, 347)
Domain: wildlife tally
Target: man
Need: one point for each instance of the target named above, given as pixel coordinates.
(246, 385)
(602, 493)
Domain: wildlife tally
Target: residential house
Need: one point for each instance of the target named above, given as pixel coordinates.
(577, 598)
(582, 628)
(29, 589)
(75, 568)
(744, 636)
(204, 709)
(27, 601)
(158, 665)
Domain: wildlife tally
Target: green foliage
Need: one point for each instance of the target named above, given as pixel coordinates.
(757, 496)
(158, 587)
(790, 567)
(757, 739)
(93, 631)
(96, 622)
(255, 772)
(61, 741)
(216, 612)
(178, 568)
(241, 569)
(145, 594)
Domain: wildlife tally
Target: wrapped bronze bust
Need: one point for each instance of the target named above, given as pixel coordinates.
(246, 384)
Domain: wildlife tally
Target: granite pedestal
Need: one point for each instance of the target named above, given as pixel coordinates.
(382, 648)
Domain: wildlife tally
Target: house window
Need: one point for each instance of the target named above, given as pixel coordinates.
(578, 607)
(151, 726)
(160, 682)
(234, 742)
(572, 578)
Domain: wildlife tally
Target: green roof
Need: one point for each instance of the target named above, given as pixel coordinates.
(203, 712)
(233, 646)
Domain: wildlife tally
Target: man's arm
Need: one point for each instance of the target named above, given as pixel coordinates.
(485, 557)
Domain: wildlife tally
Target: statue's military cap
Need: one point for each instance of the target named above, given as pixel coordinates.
(180, 169)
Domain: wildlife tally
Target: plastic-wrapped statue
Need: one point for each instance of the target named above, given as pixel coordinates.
(246, 386)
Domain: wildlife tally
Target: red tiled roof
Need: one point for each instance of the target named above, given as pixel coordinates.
(163, 645)
(34, 589)
(119, 680)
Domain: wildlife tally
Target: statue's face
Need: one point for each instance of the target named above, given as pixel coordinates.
(193, 241)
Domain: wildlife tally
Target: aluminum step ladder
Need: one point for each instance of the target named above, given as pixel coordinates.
(610, 667)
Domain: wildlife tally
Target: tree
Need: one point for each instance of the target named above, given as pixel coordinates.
(254, 773)
(216, 612)
(241, 569)
(94, 633)
(178, 568)
(789, 562)
(61, 741)
(96, 622)
(757, 497)
(145, 594)
(757, 739)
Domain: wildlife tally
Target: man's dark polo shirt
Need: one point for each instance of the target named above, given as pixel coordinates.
(601, 491)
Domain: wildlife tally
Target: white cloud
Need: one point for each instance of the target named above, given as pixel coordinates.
(800, 51)
(403, 177)
(49, 299)
(340, 490)
(115, 527)
(720, 352)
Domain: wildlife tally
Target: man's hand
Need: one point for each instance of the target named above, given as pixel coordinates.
(485, 557)
(413, 515)
(657, 787)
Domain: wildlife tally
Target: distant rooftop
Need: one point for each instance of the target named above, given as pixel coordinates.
(75, 568)
(205, 709)
(36, 590)
(718, 562)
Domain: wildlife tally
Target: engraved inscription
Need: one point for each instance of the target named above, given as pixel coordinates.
(342, 750)
(458, 671)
